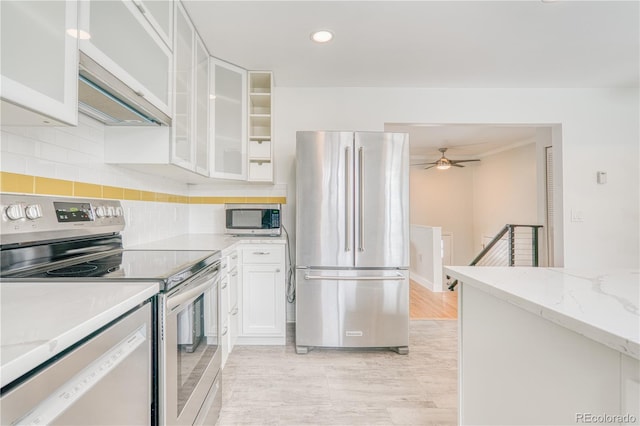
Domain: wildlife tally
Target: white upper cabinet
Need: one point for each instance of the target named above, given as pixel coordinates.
(191, 119)
(228, 112)
(201, 125)
(159, 13)
(39, 64)
(125, 43)
(183, 150)
(184, 48)
(260, 126)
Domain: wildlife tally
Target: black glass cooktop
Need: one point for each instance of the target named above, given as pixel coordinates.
(164, 265)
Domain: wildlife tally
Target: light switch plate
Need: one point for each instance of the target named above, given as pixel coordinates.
(577, 215)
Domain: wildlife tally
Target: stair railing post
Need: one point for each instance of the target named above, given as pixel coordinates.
(511, 246)
(534, 241)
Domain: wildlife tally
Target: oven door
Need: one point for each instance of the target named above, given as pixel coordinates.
(189, 356)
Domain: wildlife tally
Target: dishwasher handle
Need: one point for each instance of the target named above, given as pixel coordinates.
(74, 389)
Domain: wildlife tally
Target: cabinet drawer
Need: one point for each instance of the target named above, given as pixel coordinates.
(259, 149)
(263, 255)
(260, 170)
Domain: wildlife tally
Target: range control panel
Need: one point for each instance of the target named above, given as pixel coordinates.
(27, 218)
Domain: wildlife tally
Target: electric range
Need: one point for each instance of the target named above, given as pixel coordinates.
(79, 240)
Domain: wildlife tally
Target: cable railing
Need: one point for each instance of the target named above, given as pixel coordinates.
(513, 245)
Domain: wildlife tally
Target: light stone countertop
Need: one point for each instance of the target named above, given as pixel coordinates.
(600, 305)
(41, 319)
(220, 242)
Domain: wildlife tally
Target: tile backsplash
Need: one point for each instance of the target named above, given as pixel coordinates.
(73, 154)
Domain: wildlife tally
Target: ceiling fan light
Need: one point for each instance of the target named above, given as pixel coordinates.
(443, 164)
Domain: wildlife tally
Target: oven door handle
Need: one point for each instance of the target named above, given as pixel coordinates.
(191, 290)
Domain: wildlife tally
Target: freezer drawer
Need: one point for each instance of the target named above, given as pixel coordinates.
(349, 308)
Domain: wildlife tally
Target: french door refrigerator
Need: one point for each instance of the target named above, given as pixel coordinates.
(352, 240)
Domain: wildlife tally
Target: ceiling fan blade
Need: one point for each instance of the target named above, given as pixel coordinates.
(429, 167)
(462, 161)
(422, 164)
(457, 165)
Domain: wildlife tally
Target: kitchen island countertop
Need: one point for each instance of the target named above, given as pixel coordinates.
(603, 306)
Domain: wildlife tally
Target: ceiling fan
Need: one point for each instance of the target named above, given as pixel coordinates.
(443, 162)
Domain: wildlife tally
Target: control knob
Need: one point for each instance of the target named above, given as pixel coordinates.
(101, 211)
(119, 212)
(15, 212)
(111, 212)
(33, 211)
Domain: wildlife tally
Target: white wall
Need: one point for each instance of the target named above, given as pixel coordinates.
(444, 198)
(599, 132)
(426, 256)
(504, 191)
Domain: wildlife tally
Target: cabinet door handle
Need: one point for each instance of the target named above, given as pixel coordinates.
(234, 312)
(234, 273)
(226, 329)
(278, 270)
(261, 253)
(224, 285)
(234, 257)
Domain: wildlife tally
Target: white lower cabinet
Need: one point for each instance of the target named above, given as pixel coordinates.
(224, 314)
(234, 310)
(263, 295)
(228, 303)
(250, 298)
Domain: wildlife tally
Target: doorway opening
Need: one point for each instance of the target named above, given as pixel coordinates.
(511, 183)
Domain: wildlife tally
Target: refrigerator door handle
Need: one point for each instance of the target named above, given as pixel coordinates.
(361, 198)
(347, 199)
(397, 277)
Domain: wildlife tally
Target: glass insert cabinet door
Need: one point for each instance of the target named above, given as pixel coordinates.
(228, 120)
(28, 48)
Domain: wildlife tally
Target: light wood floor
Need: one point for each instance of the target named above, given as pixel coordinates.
(425, 304)
(272, 385)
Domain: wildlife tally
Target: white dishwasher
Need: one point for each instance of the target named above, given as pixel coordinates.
(104, 380)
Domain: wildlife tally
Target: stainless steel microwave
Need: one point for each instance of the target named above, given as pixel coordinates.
(253, 219)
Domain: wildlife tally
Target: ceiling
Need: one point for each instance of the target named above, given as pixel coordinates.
(463, 141)
(438, 44)
(433, 44)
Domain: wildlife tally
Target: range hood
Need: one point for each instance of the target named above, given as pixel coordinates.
(104, 97)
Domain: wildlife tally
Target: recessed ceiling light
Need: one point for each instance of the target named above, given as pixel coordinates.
(81, 34)
(321, 36)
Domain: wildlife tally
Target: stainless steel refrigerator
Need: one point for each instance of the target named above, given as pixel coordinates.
(352, 240)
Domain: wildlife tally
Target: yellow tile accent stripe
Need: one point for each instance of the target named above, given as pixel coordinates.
(91, 190)
(51, 186)
(13, 182)
(27, 184)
